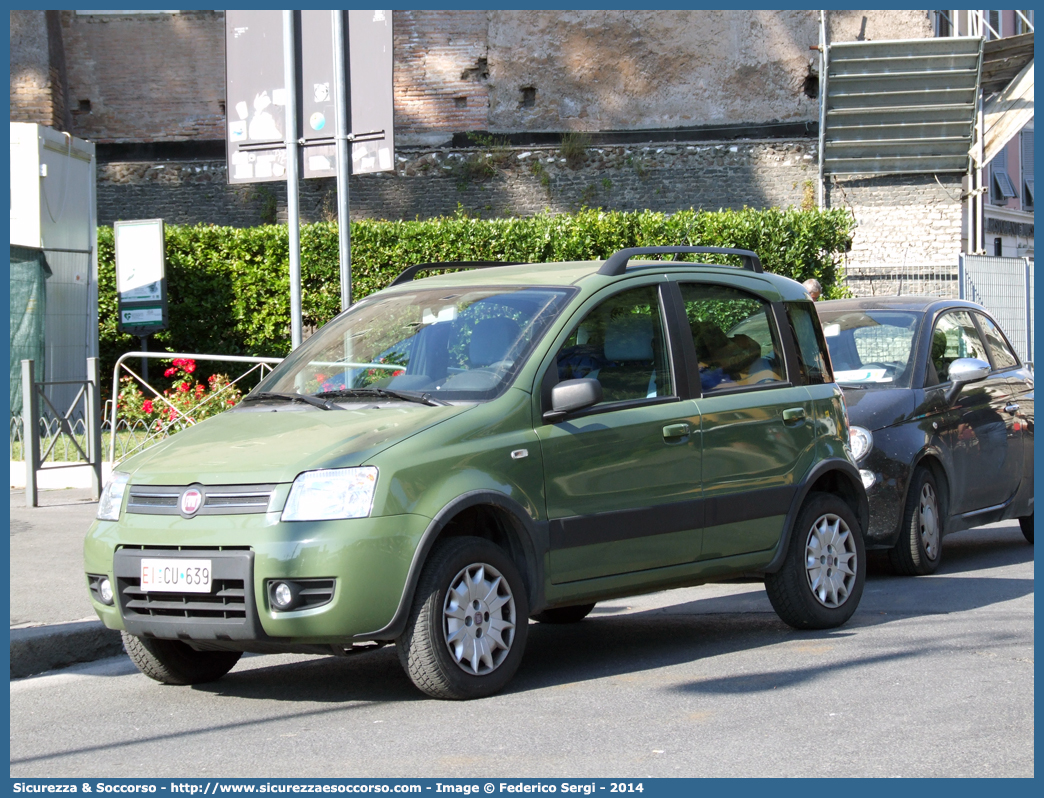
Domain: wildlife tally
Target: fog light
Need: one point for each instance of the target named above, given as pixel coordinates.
(284, 595)
(105, 590)
(869, 478)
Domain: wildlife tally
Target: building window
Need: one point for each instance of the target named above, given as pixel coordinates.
(943, 25)
(998, 247)
(1001, 188)
(1027, 169)
(993, 18)
(1020, 24)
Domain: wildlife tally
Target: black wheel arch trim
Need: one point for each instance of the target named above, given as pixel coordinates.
(531, 534)
(819, 470)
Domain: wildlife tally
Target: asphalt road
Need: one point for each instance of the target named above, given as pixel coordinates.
(932, 677)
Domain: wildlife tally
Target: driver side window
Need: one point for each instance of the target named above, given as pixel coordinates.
(621, 344)
(954, 337)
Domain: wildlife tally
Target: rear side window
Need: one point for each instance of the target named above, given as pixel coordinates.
(1003, 357)
(813, 360)
(734, 335)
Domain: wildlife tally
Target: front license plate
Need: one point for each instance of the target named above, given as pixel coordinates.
(176, 576)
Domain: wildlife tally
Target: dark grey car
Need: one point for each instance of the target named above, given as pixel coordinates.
(941, 409)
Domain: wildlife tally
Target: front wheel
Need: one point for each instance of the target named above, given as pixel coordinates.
(821, 581)
(467, 629)
(174, 662)
(1026, 522)
(918, 551)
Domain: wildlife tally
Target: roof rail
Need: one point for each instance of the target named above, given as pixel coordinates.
(408, 273)
(617, 263)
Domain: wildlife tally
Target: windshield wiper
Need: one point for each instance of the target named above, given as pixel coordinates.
(423, 398)
(315, 401)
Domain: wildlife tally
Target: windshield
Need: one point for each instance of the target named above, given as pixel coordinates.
(871, 348)
(446, 343)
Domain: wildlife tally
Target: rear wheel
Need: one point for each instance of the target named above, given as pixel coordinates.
(174, 662)
(918, 551)
(564, 614)
(821, 581)
(1026, 522)
(467, 630)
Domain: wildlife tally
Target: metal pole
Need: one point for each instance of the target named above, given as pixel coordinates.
(293, 211)
(30, 432)
(341, 133)
(823, 87)
(94, 425)
(144, 340)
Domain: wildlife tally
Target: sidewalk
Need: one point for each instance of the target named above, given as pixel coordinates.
(52, 621)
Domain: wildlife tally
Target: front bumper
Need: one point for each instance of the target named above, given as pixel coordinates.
(886, 497)
(368, 560)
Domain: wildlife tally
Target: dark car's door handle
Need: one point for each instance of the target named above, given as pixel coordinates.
(794, 415)
(675, 431)
(1012, 408)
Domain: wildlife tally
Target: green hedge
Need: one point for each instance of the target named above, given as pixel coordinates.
(229, 289)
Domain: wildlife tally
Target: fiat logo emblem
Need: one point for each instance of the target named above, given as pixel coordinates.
(191, 501)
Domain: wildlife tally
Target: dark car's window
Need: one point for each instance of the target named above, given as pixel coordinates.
(812, 348)
(1003, 357)
(621, 344)
(734, 335)
(870, 347)
(954, 337)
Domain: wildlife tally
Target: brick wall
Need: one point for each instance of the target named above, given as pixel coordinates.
(38, 69)
(503, 181)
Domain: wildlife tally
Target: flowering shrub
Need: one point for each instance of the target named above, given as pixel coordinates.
(187, 400)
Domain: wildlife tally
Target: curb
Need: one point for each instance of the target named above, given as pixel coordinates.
(36, 649)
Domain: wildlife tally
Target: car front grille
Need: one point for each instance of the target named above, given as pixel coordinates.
(217, 499)
(227, 600)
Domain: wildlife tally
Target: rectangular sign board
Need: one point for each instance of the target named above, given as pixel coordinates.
(255, 96)
(255, 101)
(141, 280)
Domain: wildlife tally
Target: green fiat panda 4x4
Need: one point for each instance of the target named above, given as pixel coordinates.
(456, 455)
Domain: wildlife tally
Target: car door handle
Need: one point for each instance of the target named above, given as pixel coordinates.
(794, 415)
(1012, 408)
(675, 431)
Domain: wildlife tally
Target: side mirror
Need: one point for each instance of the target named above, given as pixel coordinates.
(570, 395)
(963, 371)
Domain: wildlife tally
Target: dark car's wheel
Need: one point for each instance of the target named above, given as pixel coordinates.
(919, 549)
(564, 614)
(1026, 522)
(467, 629)
(174, 662)
(821, 581)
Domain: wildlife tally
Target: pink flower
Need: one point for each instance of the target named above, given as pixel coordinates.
(147, 405)
(321, 377)
(230, 402)
(190, 366)
(170, 372)
(184, 387)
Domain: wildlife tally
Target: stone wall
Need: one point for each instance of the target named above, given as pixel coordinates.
(487, 182)
(154, 77)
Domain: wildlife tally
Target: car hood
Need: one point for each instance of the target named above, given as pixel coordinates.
(256, 445)
(877, 408)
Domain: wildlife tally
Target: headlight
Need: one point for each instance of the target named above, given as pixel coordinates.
(112, 497)
(331, 493)
(861, 442)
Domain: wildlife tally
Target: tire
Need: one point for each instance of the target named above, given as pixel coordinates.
(564, 614)
(1026, 522)
(174, 662)
(801, 593)
(918, 551)
(443, 649)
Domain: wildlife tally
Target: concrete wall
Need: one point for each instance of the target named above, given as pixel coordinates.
(509, 182)
(160, 77)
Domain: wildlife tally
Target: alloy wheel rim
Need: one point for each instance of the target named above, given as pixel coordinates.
(928, 521)
(478, 619)
(830, 560)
